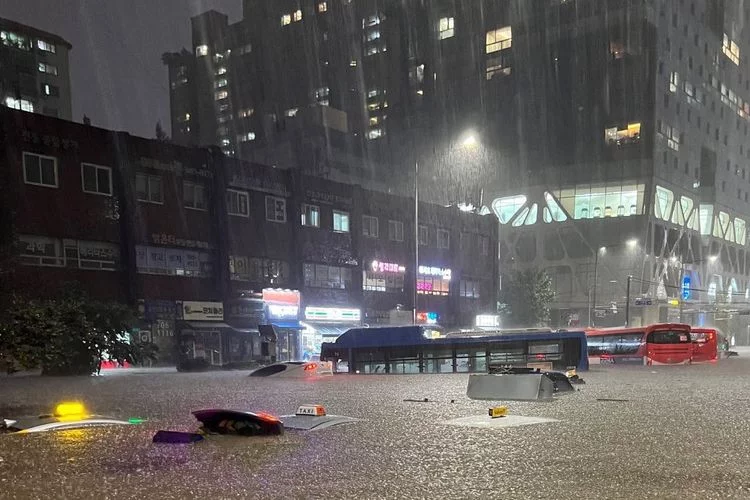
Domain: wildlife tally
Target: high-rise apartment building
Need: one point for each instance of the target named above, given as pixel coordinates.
(612, 134)
(34, 70)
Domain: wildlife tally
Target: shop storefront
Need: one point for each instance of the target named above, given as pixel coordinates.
(206, 341)
(159, 318)
(282, 313)
(433, 290)
(326, 324)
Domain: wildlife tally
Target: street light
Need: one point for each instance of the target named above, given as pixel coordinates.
(631, 244)
(467, 140)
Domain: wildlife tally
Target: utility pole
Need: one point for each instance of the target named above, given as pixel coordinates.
(596, 278)
(627, 302)
(416, 237)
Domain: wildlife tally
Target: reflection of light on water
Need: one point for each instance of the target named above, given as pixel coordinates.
(70, 436)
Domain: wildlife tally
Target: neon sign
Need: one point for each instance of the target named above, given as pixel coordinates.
(428, 318)
(386, 267)
(443, 272)
(279, 311)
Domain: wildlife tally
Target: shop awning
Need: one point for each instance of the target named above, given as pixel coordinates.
(287, 324)
(216, 325)
(331, 330)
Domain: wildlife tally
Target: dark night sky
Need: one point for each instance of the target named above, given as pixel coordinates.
(117, 76)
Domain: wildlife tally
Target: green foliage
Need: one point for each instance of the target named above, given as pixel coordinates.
(525, 299)
(68, 335)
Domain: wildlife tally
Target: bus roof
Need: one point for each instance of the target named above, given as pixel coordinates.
(638, 329)
(401, 336)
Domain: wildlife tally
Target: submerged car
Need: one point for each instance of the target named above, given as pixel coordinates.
(295, 369)
(66, 416)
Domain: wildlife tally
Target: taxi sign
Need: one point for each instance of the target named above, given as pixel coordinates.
(498, 411)
(311, 410)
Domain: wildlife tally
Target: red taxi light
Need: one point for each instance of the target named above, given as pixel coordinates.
(267, 417)
(311, 367)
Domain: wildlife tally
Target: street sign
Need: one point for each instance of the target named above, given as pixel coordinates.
(643, 301)
(685, 287)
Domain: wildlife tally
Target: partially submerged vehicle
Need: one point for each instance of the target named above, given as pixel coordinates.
(66, 416)
(295, 369)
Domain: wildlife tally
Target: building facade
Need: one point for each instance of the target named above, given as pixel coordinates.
(34, 70)
(210, 248)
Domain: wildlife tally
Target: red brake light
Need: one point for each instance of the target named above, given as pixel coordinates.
(311, 366)
(267, 417)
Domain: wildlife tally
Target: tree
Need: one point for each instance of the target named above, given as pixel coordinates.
(160, 134)
(68, 335)
(526, 299)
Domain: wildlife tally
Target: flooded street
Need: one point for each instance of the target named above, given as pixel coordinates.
(682, 432)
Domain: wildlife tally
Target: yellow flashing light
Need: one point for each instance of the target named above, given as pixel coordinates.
(70, 409)
(498, 411)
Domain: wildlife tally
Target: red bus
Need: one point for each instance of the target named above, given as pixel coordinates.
(705, 344)
(660, 344)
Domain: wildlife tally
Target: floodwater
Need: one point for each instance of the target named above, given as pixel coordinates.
(683, 432)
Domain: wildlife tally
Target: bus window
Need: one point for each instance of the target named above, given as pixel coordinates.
(510, 353)
(628, 343)
(543, 351)
(668, 337)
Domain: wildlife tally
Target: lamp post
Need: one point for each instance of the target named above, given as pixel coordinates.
(467, 140)
(630, 244)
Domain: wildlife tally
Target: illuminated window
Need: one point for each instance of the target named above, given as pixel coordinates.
(620, 136)
(433, 285)
(446, 27)
(498, 39)
(10, 39)
(375, 133)
(244, 113)
(246, 137)
(610, 200)
(291, 112)
(221, 70)
(469, 289)
(322, 276)
(682, 211)
(671, 135)
(553, 211)
(22, 104)
(505, 208)
(739, 231)
(50, 69)
(706, 218)
(663, 201)
(369, 226)
(222, 94)
(340, 221)
(45, 46)
(322, 95)
(310, 216)
(674, 81)
(373, 35)
(322, 6)
(201, 50)
(221, 82)
(286, 19)
(374, 281)
(297, 15)
(731, 50)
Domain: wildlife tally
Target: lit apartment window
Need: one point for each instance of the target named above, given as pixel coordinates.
(246, 137)
(148, 189)
(10, 39)
(375, 133)
(221, 71)
(286, 19)
(731, 50)
(369, 226)
(291, 112)
(310, 216)
(322, 6)
(50, 69)
(275, 209)
(498, 39)
(373, 35)
(225, 142)
(443, 238)
(340, 221)
(671, 135)
(22, 104)
(194, 196)
(395, 230)
(96, 179)
(619, 136)
(222, 94)
(50, 90)
(446, 27)
(45, 46)
(244, 113)
(221, 82)
(674, 81)
(238, 203)
(297, 15)
(201, 50)
(40, 170)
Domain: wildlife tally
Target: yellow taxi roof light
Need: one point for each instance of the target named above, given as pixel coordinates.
(69, 409)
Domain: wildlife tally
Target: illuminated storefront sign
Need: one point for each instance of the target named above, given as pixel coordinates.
(427, 318)
(192, 311)
(442, 272)
(386, 267)
(282, 304)
(332, 314)
(488, 320)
